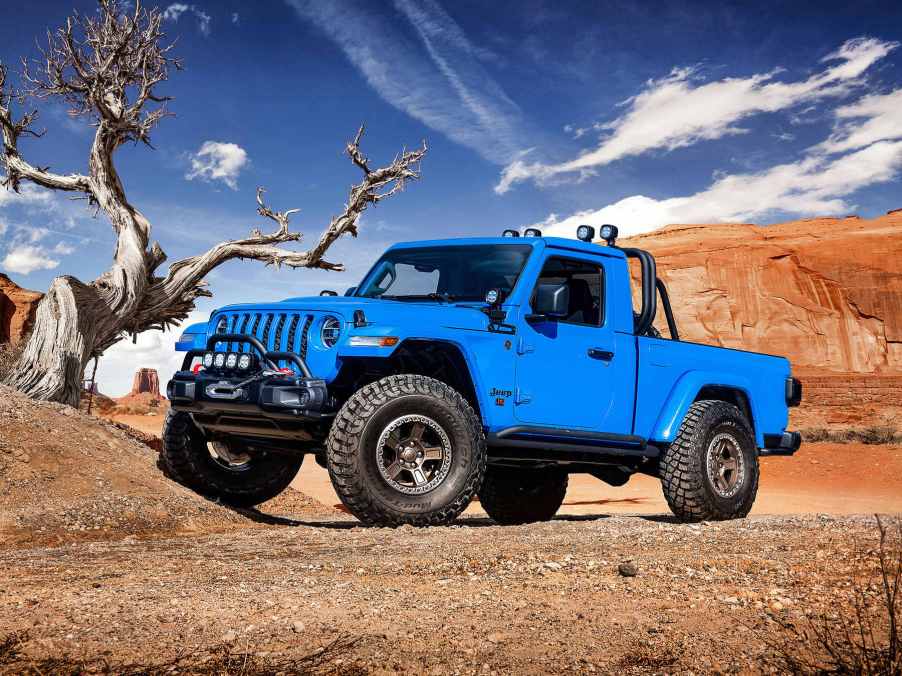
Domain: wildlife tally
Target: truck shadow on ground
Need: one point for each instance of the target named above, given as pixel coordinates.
(466, 521)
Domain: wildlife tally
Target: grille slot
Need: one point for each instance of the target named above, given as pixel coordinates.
(265, 338)
(305, 337)
(292, 331)
(277, 341)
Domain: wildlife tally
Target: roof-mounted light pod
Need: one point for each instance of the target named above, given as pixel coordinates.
(609, 233)
(585, 233)
(532, 232)
(510, 233)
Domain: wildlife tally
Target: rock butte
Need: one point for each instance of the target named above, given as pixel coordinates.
(146, 381)
(17, 309)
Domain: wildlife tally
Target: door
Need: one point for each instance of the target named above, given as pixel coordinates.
(575, 371)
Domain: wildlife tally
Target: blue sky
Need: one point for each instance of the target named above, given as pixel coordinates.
(535, 111)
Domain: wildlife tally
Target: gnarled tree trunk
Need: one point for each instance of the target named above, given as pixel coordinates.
(63, 339)
(106, 67)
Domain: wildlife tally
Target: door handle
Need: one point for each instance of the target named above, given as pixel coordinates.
(598, 353)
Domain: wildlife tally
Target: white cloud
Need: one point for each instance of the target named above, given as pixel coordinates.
(216, 161)
(63, 249)
(676, 111)
(437, 78)
(873, 118)
(26, 258)
(175, 11)
(815, 185)
(29, 194)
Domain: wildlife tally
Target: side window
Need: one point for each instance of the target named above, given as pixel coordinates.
(586, 284)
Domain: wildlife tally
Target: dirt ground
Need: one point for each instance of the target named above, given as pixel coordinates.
(109, 566)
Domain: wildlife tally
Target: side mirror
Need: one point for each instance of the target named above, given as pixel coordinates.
(552, 301)
(351, 291)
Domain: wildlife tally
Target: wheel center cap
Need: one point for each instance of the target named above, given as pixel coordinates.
(409, 453)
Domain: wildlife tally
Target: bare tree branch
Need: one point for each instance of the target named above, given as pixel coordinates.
(17, 169)
(185, 276)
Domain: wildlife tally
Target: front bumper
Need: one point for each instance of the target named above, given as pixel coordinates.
(278, 405)
(283, 407)
(781, 444)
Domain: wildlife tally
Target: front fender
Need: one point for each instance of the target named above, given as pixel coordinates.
(683, 395)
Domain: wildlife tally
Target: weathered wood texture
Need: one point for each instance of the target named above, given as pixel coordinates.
(107, 67)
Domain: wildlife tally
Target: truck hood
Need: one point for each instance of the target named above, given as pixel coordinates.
(298, 324)
(379, 313)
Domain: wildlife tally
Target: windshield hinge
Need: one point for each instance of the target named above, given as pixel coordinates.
(523, 347)
(522, 397)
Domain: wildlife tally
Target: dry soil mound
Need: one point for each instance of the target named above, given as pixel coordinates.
(67, 476)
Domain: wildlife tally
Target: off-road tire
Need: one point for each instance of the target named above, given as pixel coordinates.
(685, 479)
(513, 496)
(186, 459)
(352, 458)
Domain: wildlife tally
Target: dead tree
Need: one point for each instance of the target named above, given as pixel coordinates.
(107, 67)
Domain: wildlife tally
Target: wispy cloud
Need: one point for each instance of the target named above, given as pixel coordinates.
(680, 110)
(217, 161)
(873, 118)
(865, 150)
(420, 61)
(175, 11)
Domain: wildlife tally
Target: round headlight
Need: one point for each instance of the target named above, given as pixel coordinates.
(244, 362)
(219, 360)
(208, 359)
(330, 332)
(231, 361)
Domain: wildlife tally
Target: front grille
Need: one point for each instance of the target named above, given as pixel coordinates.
(278, 331)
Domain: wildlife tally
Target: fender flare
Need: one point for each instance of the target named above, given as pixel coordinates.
(469, 361)
(683, 395)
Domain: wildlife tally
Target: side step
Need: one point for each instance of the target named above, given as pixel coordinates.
(544, 444)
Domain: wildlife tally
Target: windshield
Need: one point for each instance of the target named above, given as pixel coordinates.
(449, 273)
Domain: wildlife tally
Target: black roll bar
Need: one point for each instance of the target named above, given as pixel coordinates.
(668, 311)
(649, 277)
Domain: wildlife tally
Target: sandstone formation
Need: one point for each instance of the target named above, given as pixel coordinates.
(826, 292)
(17, 309)
(146, 381)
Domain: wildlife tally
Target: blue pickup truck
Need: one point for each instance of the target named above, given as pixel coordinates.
(493, 367)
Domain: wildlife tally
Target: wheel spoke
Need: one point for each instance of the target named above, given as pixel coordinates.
(729, 464)
(393, 440)
(416, 432)
(419, 476)
(394, 469)
(433, 452)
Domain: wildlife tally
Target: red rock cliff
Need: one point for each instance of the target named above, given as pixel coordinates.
(17, 308)
(826, 292)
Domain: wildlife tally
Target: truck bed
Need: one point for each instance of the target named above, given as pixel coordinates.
(670, 374)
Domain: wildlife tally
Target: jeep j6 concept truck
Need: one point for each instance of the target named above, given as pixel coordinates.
(493, 367)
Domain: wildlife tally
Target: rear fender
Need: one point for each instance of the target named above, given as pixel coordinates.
(684, 394)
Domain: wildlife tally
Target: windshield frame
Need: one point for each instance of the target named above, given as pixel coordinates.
(527, 249)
